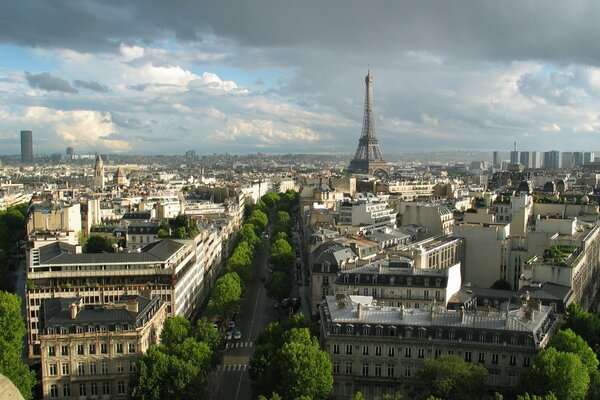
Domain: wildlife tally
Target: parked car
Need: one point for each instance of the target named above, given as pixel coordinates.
(231, 324)
(228, 335)
(237, 335)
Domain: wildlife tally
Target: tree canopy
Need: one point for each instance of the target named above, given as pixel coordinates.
(12, 331)
(556, 372)
(569, 342)
(226, 293)
(281, 255)
(290, 362)
(247, 234)
(279, 285)
(585, 324)
(98, 244)
(449, 378)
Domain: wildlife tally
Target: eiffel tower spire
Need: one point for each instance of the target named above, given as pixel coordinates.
(368, 158)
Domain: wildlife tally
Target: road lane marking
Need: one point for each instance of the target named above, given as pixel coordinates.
(254, 314)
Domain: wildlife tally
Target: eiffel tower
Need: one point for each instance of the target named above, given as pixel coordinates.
(368, 158)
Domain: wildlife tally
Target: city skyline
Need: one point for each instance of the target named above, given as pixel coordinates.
(241, 78)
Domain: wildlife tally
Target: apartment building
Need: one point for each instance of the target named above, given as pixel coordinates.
(140, 234)
(179, 272)
(377, 349)
(91, 351)
(365, 214)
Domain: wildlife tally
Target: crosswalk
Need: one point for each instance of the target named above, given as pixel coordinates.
(233, 367)
(237, 345)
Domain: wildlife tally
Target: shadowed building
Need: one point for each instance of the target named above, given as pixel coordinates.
(368, 158)
(26, 147)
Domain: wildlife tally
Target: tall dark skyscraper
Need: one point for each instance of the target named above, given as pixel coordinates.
(27, 147)
(368, 158)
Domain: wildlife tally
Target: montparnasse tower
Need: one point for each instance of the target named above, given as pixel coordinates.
(368, 158)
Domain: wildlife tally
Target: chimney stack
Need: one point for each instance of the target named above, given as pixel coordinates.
(462, 314)
(132, 305)
(74, 309)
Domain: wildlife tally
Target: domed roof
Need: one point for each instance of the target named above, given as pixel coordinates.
(8, 390)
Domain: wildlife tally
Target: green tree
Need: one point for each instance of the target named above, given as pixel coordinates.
(291, 364)
(450, 378)
(527, 396)
(248, 235)
(270, 199)
(279, 285)
(175, 331)
(259, 219)
(585, 324)
(240, 261)
(281, 255)
(556, 372)
(226, 293)
(205, 333)
(12, 331)
(569, 342)
(98, 244)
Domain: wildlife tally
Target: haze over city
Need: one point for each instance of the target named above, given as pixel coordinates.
(153, 77)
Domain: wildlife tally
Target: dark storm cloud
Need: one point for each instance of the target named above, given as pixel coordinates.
(91, 85)
(50, 83)
(497, 30)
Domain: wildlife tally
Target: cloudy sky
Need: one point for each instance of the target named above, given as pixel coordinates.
(274, 76)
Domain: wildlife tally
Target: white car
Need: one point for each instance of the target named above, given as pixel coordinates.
(228, 336)
(237, 335)
(231, 324)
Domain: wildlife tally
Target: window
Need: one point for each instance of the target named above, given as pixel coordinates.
(82, 389)
(407, 371)
(377, 350)
(421, 353)
(408, 332)
(513, 340)
(482, 337)
(426, 294)
(80, 349)
(65, 369)
(512, 379)
(121, 387)
(120, 366)
(93, 368)
(377, 369)
(80, 369)
(422, 333)
(66, 390)
(336, 367)
(366, 291)
(132, 367)
(526, 361)
(105, 388)
(64, 350)
(391, 351)
(481, 358)
(94, 388)
(349, 329)
(407, 352)
(495, 358)
(92, 349)
(131, 347)
(379, 330)
(512, 360)
(392, 331)
(103, 348)
(348, 349)
(365, 369)
(336, 349)
(451, 335)
(469, 336)
(104, 368)
(52, 369)
(467, 356)
(438, 353)
(390, 370)
(53, 391)
(365, 350)
(348, 368)
(493, 378)
(52, 353)
(119, 348)
(496, 339)
(450, 352)
(366, 330)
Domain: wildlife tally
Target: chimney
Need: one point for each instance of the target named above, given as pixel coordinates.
(132, 305)
(74, 309)
(402, 311)
(358, 310)
(462, 314)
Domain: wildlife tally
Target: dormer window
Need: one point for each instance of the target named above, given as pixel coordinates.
(345, 278)
(336, 329)
(349, 329)
(438, 282)
(63, 330)
(392, 280)
(392, 330)
(357, 278)
(325, 266)
(426, 282)
(379, 330)
(366, 329)
(409, 281)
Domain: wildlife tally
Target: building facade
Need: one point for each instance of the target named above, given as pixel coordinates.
(91, 351)
(378, 349)
(26, 147)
